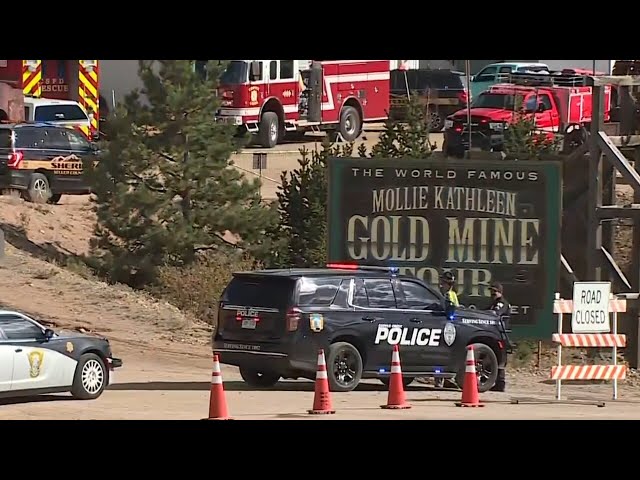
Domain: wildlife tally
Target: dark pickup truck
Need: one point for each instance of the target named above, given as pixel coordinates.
(442, 92)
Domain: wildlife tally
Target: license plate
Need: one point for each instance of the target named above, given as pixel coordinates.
(249, 323)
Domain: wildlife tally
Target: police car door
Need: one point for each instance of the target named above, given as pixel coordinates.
(6, 362)
(424, 312)
(382, 323)
(33, 366)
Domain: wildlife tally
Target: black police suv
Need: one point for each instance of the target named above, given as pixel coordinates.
(44, 161)
(271, 324)
(36, 360)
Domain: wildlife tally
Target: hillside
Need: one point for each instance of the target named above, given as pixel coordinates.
(39, 238)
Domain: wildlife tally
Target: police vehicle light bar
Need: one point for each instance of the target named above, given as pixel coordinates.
(355, 266)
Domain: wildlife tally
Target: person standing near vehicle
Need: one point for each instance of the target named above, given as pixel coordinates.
(447, 281)
(500, 306)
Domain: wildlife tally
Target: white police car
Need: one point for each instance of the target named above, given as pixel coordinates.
(36, 360)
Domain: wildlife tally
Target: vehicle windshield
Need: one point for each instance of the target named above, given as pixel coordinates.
(502, 101)
(59, 113)
(237, 72)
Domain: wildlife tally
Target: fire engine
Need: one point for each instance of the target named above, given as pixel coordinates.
(25, 83)
(559, 103)
(271, 98)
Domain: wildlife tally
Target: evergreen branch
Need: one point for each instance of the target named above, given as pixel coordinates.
(145, 183)
(167, 157)
(202, 248)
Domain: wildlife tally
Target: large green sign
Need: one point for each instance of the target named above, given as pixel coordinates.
(483, 220)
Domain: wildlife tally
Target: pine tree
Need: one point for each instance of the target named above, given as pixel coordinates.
(409, 139)
(164, 187)
(521, 140)
(300, 237)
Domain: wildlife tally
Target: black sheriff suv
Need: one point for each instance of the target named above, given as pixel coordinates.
(271, 324)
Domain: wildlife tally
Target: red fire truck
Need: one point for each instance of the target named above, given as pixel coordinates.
(271, 98)
(559, 103)
(75, 80)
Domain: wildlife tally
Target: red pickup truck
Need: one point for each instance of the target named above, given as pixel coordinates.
(559, 104)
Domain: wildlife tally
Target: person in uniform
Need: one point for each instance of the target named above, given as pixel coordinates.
(447, 281)
(500, 306)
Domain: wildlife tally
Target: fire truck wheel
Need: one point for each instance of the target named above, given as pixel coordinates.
(269, 130)
(39, 190)
(350, 124)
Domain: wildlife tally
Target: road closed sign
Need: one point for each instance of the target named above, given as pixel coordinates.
(591, 307)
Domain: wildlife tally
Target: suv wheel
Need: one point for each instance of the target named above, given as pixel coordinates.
(257, 379)
(39, 190)
(486, 368)
(344, 367)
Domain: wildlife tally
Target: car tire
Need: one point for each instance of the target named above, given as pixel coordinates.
(487, 361)
(257, 379)
(39, 190)
(90, 378)
(344, 359)
(406, 381)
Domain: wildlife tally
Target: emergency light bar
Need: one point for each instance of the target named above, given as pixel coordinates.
(355, 266)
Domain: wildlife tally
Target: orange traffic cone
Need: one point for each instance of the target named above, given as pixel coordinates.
(217, 401)
(396, 398)
(322, 397)
(470, 396)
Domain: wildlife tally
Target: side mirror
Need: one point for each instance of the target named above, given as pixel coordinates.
(255, 71)
(48, 334)
(541, 108)
(472, 78)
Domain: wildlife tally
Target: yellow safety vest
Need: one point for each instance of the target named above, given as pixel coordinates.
(452, 297)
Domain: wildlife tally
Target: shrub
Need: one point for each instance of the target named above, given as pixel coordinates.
(197, 287)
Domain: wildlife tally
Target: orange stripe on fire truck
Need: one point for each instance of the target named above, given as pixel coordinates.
(590, 339)
(566, 306)
(32, 78)
(589, 372)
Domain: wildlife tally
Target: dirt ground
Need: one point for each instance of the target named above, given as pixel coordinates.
(166, 354)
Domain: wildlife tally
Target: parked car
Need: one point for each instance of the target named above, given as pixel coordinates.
(43, 161)
(442, 92)
(497, 72)
(271, 324)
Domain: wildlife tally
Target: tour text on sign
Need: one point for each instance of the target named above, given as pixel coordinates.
(591, 307)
